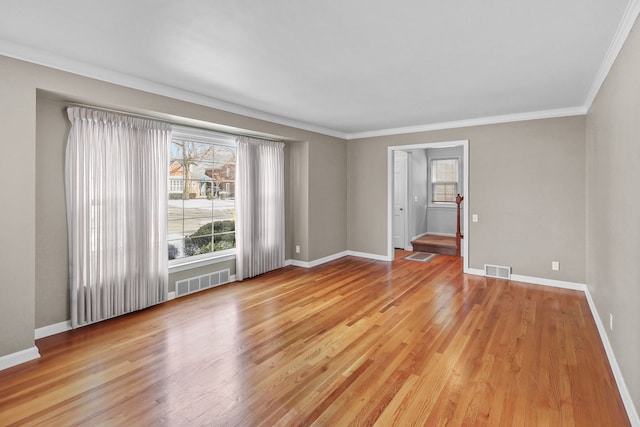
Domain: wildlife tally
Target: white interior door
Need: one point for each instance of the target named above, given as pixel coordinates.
(400, 160)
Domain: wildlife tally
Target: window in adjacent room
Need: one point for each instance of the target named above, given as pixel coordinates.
(444, 180)
(201, 205)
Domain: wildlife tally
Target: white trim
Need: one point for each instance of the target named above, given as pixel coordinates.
(507, 118)
(624, 28)
(315, 263)
(441, 234)
(375, 257)
(296, 263)
(206, 136)
(19, 357)
(171, 295)
(419, 235)
(51, 60)
(465, 192)
(329, 258)
(474, 271)
(549, 282)
(534, 280)
(188, 265)
(24, 53)
(617, 373)
(442, 206)
(56, 328)
(57, 62)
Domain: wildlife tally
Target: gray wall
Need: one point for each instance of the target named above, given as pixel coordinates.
(327, 169)
(299, 154)
(32, 220)
(527, 184)
(18, 213)
(52, 260)
(613, 208)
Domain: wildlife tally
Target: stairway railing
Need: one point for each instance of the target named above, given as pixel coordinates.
(459, 235)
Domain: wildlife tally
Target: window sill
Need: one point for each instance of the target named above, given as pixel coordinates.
(442, 205)
(188, 264)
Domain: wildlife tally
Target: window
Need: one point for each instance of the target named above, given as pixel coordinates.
(201, 205)
(444, 180)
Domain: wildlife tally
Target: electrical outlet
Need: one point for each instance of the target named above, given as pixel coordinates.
(297, 249)
(611, 322)
(555, 265)
(474, 218)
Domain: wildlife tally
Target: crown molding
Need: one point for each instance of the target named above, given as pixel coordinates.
(84, 69)
(534, 115)
(624, 28)
(54, 61)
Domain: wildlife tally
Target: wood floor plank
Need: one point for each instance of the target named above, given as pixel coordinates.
(350, 342)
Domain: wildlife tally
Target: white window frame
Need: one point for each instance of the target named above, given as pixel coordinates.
(207, 137)
(442, 204)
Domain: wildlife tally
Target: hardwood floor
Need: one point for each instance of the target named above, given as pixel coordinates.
(351, 342)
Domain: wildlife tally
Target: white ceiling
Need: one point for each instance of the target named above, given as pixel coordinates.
(347, 68)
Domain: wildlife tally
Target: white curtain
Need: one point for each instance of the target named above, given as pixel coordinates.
(116, 186)
(259, 207)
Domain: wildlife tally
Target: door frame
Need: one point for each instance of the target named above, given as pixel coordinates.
(465, 192)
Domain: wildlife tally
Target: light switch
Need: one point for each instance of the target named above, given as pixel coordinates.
(474, 217)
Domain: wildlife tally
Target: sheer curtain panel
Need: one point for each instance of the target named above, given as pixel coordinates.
(116, 187)
(259, 207)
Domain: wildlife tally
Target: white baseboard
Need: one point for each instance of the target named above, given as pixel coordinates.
(328, 258)
(419, 235)
(369, 256)
(19, 357)
(49, 330)
(549, 282)
(475, 271)
(441, 234)
(617, 373)
(536, 280)
(314, 263)
(296, 263)
(334, 257)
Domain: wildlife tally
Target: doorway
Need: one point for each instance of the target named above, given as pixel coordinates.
(395, 158)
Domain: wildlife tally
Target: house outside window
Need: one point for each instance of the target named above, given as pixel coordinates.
(201, 193)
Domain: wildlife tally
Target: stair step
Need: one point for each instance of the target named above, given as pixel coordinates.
(444, 245)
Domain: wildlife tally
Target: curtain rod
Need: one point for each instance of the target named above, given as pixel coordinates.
(143, 116)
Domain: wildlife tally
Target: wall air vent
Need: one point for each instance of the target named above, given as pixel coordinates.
(497, 271)
(199, 283)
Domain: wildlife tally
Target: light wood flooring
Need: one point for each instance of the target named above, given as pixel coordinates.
(351, 342)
